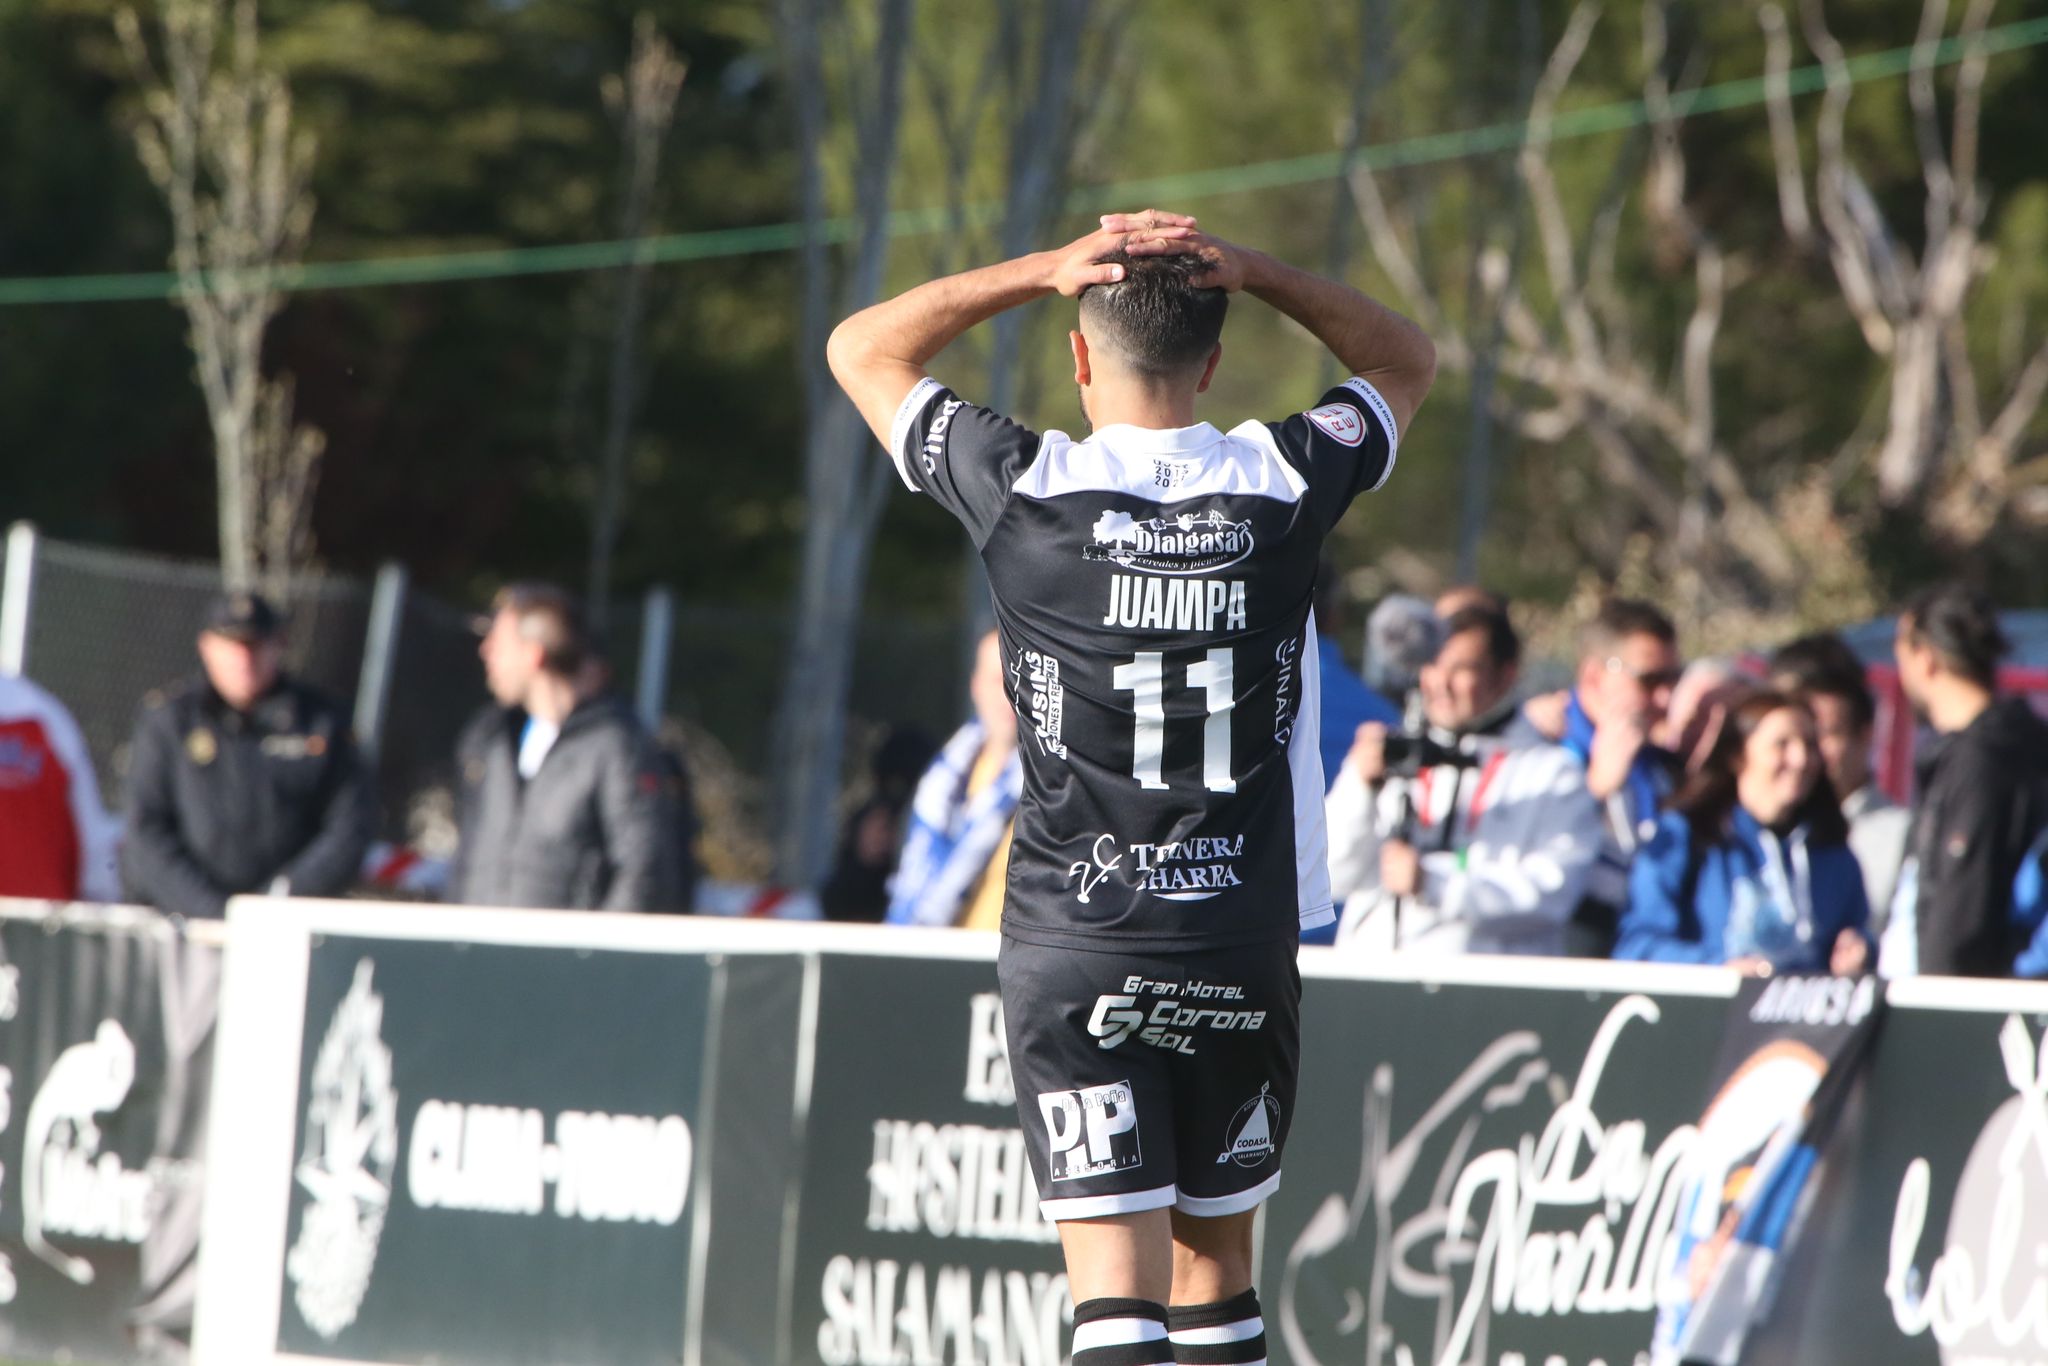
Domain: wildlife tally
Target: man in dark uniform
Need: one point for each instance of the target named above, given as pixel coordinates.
(242, 779)
(1152, 587)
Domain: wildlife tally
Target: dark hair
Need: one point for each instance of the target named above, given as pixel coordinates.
(1823, 664)
(1465, 595)
(1707, 799)
(1960, 624)
(1503, 646)
(550, 617)
(1156, 319)
(1620, 618)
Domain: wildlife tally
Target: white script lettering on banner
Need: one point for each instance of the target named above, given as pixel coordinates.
(71, 1186)
(1574, 1218)
(1985, 1295)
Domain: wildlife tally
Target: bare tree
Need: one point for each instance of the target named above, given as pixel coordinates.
(1046, 72)
(216, 137)
(644, 101)
(845, 482)
(1574, 353)
(1942, 443)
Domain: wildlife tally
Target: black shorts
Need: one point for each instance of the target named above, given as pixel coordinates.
(1149, 1080)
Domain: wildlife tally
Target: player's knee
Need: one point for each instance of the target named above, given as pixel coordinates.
(1212, 1257)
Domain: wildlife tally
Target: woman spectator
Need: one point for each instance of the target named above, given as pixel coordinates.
(1751, 865)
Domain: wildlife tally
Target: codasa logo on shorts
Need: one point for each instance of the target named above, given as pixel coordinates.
(1189, 543)
(1249, 1139)
(350, 1157)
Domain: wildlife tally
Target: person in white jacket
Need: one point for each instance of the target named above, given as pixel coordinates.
(1482, 841)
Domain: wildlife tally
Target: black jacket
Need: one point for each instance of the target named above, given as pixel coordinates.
(1983, 796)
(596, 828)
(221, 801)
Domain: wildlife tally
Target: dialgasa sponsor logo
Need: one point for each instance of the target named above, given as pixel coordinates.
(1984, 1297)
(350, 1157)
(1189, 543)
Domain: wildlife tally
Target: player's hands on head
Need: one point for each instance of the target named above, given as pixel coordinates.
(1079, 264)
(1225, 260)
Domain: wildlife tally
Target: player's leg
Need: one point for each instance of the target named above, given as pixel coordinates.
(1122, 1256)
(1119, 1270)
(1233, 1106)
(1098, 1130)
(1212, 1258)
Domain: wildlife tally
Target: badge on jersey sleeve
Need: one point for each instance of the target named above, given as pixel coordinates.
(1340, 422)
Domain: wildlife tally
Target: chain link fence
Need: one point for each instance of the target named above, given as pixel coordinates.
(101, 628)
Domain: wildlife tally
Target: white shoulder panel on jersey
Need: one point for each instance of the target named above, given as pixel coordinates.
(906, 413)
(1305, 769)
(1163, 466)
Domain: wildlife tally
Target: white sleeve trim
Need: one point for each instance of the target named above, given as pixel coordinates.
(1363, 388)
(913, 403)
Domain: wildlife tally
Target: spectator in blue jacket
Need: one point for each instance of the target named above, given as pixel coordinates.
(1751, 864)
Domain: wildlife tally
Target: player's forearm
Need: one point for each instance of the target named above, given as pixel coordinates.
(919, 323)
(1363, 334)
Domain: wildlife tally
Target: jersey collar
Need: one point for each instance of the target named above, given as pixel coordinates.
(1122, 436)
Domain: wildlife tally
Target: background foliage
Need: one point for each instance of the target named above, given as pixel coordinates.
(462, 417)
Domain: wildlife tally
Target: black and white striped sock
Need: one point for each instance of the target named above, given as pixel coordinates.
(1227, 1333)
(1109, 1332)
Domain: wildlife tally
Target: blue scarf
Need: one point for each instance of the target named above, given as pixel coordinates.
(951, 836)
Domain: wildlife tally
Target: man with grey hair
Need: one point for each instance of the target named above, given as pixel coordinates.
(562, 798)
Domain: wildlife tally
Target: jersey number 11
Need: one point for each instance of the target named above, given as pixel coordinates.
(1145, 678)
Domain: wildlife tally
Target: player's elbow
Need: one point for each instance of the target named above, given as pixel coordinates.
(1422, 361)
(846, 348)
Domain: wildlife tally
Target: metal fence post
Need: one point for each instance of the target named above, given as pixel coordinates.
(15, 599)
(657, 629)
(380, 653)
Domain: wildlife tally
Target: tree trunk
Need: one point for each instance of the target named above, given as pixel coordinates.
(845, 478)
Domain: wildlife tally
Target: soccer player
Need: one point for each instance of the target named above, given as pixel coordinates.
(1152, 590)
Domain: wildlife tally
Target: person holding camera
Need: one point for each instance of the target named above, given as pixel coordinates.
(1473, 835)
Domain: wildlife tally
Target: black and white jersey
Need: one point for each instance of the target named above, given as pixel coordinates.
(1152, 592)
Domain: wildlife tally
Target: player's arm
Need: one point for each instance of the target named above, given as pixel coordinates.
(1369, 339)
(879, 354)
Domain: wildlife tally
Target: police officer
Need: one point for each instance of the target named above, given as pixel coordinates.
(241, 779)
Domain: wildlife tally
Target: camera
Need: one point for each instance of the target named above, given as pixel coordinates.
(1410, 752)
